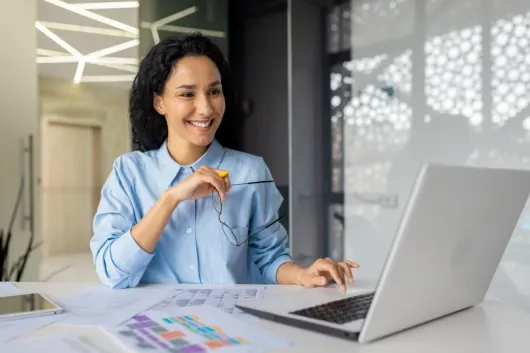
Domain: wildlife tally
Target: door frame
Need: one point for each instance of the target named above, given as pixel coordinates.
(46, 121)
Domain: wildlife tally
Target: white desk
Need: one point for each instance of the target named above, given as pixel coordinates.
(490, 327)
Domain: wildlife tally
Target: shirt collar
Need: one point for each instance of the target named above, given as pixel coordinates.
(169, 168)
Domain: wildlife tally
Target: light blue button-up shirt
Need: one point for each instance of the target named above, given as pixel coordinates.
(193, 247)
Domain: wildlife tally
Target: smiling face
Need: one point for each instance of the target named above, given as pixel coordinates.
(192, 102)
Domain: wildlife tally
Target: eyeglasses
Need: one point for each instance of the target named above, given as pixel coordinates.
(229, 232)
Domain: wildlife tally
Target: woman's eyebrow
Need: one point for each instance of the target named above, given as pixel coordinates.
(214, 83)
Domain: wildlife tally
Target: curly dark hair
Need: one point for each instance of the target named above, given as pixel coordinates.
(149, 128)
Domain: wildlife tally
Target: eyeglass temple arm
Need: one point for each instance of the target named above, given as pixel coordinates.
(254, 182)
(256, 231)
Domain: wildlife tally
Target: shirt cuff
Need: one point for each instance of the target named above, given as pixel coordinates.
(270, 273)
(128, 256)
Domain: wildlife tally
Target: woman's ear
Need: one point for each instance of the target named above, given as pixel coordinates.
(158, 104)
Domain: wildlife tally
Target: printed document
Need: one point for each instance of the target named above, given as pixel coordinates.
(195, 329)
(220, 298)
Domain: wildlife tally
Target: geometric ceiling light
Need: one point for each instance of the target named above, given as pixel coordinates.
(99, 57)
(102, 57)
(108, 5)
(94, 16)
(47, 56)
(164, 21)
(81, 59)
(163, 24)
(88, 29)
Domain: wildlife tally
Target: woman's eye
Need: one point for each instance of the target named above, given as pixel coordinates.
(187, 95)
(215, 91)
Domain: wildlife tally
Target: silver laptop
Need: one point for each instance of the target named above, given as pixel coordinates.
(449, 243)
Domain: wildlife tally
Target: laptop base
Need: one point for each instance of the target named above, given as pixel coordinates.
(323, 329)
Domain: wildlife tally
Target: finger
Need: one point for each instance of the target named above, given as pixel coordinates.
(317, 281)
(217, 183)
(352, 264)
(223, 174)
(228, 183)
(346, 271)
(341, 273)
(332, 268)
(220, 172)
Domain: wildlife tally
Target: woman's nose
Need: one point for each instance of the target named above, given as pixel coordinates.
(204, 106)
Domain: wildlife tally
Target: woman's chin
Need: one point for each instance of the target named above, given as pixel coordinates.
(202, 141)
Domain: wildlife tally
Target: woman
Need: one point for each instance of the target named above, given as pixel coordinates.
(185, 209)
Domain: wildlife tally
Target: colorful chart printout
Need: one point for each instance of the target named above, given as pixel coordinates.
(195, 330)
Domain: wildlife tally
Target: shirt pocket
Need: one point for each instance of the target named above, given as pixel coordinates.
(230, 250)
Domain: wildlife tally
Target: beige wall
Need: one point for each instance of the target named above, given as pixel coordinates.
(60, 98)
(18, 118)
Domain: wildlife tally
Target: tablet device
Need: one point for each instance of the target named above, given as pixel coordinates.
(27, 305)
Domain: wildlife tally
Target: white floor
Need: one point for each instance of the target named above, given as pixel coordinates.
(77, 267)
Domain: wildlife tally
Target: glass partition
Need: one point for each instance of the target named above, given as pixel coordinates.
(425, 81)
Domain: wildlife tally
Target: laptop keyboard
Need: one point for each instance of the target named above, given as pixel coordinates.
(339, 311)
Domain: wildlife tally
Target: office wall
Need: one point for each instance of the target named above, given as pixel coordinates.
(440, 81)
(18, 120)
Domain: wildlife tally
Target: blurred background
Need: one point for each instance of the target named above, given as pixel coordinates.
(344, 100)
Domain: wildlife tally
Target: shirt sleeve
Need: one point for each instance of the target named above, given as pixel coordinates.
(119, 261)
(268, 247)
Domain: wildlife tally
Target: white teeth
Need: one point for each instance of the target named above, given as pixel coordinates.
(200, 124)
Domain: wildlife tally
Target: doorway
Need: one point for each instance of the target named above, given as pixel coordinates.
(71, 183)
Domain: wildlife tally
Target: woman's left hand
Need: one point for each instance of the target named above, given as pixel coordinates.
(322, 271)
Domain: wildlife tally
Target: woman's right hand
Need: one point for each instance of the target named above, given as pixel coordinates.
(201, 183)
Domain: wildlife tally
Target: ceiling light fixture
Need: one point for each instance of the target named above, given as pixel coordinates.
(75, 56)
(57, 59)
(189, 30)
(93, 16)
(114, 49)
(62, 57)
(164, 21)
(108, 5)
(129, 68)
(88, 29)
(108, 78)
(87, 59)
(57, 39)
(48, 52)
(79, 71)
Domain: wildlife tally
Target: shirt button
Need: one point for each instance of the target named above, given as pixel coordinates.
(188, 230)
(192, 267)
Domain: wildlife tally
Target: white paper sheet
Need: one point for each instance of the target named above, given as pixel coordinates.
(223, 299)
(56, 343)
(197, 329)
(11, 329)
(102, 306)
(7, 288)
